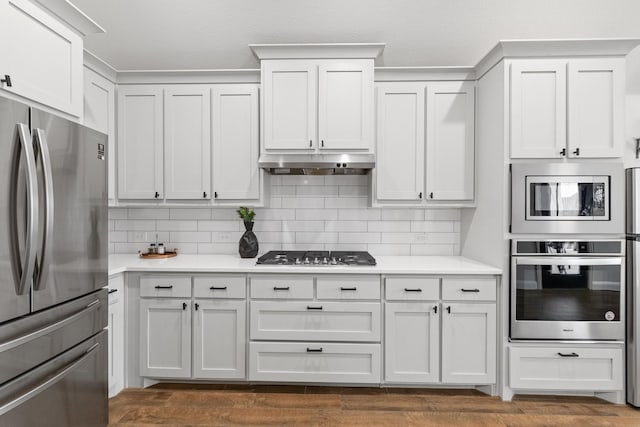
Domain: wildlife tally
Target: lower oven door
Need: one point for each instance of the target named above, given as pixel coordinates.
(567, 298)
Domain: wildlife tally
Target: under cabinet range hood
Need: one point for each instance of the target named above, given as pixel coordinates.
(317, 164)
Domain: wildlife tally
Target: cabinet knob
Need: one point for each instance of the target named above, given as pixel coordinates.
(563, 152)
(156, 195)
(6, 80)
(577, 152)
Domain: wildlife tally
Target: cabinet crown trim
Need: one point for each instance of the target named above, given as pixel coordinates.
(317, 50)
(68, 13)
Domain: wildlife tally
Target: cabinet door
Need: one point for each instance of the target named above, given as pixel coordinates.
(165, 338)
(99, 114)
(42, 56)
(400, 154)
(140, 142)
(116, 335)
(235, 143)
(412, 342)
(596, 104)
(345, 105)
(187, 142)
(289, 105)
(538, 108)
(219, 331)
(450, 140)
(468, 343)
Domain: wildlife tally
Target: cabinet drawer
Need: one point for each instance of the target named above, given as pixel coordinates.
(412, 288)
(468, 289)
(584, 368)
(348, 288)
(288, 287)
(219, 287)
(314, 362)
(315, 321)
(165, 286)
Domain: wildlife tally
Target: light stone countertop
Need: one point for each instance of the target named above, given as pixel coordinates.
(438, 265)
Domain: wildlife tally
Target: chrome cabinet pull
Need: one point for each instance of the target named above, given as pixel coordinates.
(24, 268)
(42, 267)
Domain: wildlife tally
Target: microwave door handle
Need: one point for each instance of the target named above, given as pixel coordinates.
(42, 267)
(23, 268)
(568, 260)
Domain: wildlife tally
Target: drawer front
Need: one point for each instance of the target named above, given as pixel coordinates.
(597, 369)
(229, 286)
(315, 321)
(314, 362)
(468, 289)
(412, 288)
(287, 287)
(348, 288)
(165, 286)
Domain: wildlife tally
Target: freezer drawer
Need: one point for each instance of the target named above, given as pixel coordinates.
(30, 341)
(68, 391)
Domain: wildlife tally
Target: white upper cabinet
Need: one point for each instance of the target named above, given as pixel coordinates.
(235, 143)
(567, 107)
(345, 105)
(140, 142)
(450, 140)
(41, 56)
(596, 105)
(99, 114)
(538, 108)
(314, 105)
(400, 142)
(290, 104)
(187, 142)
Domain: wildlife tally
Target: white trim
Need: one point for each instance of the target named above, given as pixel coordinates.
(98, 65)
(317, 50)
(406, 74)
(188, 76)
(69, 13)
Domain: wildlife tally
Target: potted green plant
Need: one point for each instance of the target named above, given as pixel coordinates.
(248, 247)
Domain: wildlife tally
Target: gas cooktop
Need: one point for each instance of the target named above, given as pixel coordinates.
(315, 258)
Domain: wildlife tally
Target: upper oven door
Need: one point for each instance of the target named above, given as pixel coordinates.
(567, 198)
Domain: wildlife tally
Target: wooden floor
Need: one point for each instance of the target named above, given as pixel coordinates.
(197, 405)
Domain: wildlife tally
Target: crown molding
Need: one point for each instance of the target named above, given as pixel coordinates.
(98, 65)
(68, 13)
(317, 50)
(188, 76)
(407, 74)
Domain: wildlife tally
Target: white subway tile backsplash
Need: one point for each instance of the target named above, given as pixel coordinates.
(148, 213)
(202, 213)
(389, 226)
(304, 212)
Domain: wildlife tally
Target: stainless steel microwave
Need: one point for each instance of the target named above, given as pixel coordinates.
(567, 198)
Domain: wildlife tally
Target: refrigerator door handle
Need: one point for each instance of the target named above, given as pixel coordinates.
(59, 376)
(24, 268)
(7, 345)
(42, 265)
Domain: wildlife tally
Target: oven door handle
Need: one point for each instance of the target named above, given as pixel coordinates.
(567, 260)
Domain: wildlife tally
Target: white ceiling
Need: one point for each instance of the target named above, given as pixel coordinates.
(213, 34)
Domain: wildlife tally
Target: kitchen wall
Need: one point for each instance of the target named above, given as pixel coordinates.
(305, 212)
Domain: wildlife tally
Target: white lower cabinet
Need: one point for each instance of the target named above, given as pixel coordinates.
(219, 339)
(412, 342)
(468, 343)
(566, 368)
(316, 362)
(116, 334)
(165, 338)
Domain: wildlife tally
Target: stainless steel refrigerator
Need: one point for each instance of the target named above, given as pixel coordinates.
(53, 268)
(633, 285)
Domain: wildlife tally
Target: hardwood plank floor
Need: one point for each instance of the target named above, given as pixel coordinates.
(218, 405)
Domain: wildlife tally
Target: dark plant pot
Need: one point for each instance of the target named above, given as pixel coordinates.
(248, 247)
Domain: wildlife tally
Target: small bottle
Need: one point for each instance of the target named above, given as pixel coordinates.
(152, 249)
(160, 248)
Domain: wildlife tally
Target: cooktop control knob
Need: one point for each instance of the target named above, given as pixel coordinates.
(306, 260)
(325, 260)
(298, 261)
(334, 261)
(316, 260)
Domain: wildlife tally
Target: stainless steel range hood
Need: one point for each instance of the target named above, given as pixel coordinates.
(317, 164)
